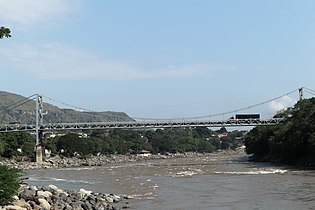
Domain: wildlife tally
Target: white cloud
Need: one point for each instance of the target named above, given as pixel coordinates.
(57, 61)
(26, 12)
(281, 104)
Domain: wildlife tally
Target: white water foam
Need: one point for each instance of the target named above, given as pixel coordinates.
(188, 173)
(76, 169)
(53, 179)
(145, 196)
(185, 174)
(265, 171)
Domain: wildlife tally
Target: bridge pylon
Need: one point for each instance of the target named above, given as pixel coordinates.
(39, 122)
(301, 93)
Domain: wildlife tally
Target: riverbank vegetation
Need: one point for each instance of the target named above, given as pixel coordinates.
(9, 184)
(292, 142)
(120, 141)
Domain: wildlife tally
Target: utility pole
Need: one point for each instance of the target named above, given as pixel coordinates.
(39, 122)
(301, 93)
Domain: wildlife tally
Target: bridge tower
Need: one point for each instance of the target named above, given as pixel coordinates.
(39, 122)
(301, 93)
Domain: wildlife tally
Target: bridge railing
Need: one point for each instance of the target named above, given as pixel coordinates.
(142, 124)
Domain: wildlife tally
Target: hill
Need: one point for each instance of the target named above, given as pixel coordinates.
(292, 142)
(16, 108)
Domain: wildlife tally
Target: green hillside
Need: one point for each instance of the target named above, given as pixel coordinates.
(292, 142)
(18, 109)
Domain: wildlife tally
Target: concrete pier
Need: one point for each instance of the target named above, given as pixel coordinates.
(39, 154)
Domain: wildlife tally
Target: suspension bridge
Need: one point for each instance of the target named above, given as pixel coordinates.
(144, 123)
(147, 123)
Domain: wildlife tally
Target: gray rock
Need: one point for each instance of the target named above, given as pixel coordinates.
(68, 207)
(49, 200)
(76, 206)
(10, 207)
(22, 203)
(87, 206)
(53, 187)
(84, 192)
(128, 197)
(27, 194)
(109, 200)
(63, 196)
(34, 188)
(55, 198)
(44, 204)
(44, 194)
(45, 188)
(34, 206)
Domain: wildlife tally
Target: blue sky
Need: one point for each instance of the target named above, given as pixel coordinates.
(159, 59)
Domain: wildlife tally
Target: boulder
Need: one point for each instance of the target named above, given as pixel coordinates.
(76, 206)
(10, 207)
(87, 206)
(22, 203)
(45, 188)
(109, 200)
(128, 197)
(68, 207)
(43, 203)
(34, 188)
(84, 192)
(15, 197)
(44, 194)
(53, 187)
(27, 194)
(58, 206)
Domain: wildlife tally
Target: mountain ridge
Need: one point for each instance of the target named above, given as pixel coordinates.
(15, 108)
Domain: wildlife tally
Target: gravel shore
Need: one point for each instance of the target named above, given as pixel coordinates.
(102, 160)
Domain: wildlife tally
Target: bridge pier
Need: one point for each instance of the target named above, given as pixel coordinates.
(39, 154)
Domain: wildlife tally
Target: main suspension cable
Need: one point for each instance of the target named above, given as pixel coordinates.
(223, 113)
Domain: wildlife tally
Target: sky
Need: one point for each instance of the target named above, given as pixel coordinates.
(158, 58)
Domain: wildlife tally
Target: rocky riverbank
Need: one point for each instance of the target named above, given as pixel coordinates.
(53, 198)
(63, 162)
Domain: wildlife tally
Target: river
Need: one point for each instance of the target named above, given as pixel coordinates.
(221, 182)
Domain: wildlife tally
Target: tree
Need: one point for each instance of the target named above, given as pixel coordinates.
(201, 132)
(2, 147)
(11, 142)
(290, 142)
(222, 130)
(5, 32)
(9, 177)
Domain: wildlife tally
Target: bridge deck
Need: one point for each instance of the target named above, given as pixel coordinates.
(141, 124)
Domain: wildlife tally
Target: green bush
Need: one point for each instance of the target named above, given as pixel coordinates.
(9, 184)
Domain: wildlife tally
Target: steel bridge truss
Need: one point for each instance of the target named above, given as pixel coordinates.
(142, 124)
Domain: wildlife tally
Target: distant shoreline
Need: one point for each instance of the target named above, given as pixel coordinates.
(305, 163)
(102, 160)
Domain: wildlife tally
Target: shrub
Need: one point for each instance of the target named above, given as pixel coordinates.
(9, 184)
